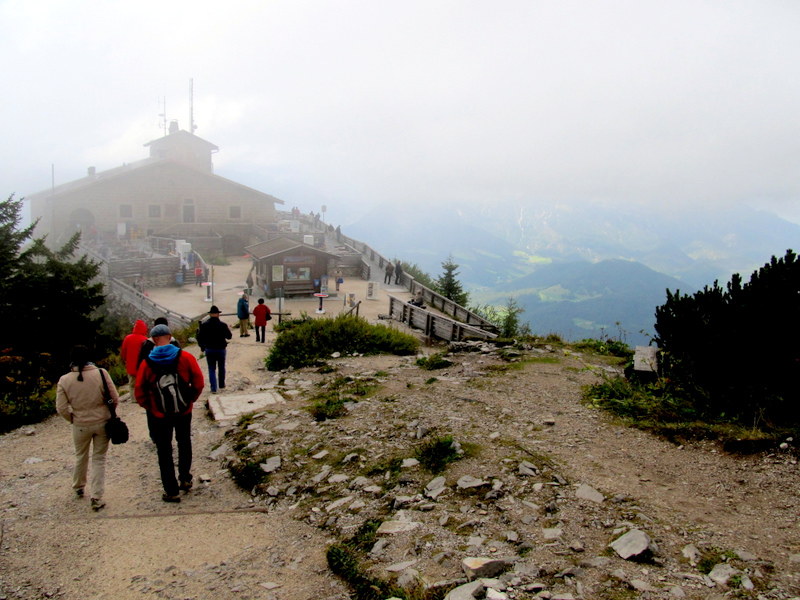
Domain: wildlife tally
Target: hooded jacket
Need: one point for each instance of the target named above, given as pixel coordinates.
(188, 370)
(131, 345)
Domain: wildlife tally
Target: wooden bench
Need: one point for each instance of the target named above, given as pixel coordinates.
(298, 288)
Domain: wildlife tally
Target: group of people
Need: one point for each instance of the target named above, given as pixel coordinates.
(261, 313)
(166, 382)
(393, 269)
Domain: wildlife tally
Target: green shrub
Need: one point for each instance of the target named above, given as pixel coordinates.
(734, 350)
(607, 347)
(247, 473)
(639, 401)
(309, 342)
(329, 404)
(328, 407)
(435, 454)
(434, 361)
(346, 558)
(116, 369)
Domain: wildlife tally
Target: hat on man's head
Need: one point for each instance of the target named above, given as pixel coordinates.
(159, 330)
(214, 310)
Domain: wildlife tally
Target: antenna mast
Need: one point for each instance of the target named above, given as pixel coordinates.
(163, 114)
(192, 126)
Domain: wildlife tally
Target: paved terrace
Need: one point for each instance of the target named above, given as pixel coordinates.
(229, 281)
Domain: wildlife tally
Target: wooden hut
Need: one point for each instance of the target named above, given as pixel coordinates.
(284, 266)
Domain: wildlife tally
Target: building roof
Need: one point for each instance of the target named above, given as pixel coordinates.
(173, 143)
(281, 245)
(141, 167)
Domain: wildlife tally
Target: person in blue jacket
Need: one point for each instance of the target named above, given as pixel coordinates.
(243, 313)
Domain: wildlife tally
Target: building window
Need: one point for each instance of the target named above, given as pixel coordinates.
(235, 212)
(125, 211)
(154, 211)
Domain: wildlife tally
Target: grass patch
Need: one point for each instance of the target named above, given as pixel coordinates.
(308, 342)
(328, 406)
(330, 403)
(433, 362)
(606, 347)
(346, 560)
(710, 557)
(386, 465)
(657, 408)
(435, 454)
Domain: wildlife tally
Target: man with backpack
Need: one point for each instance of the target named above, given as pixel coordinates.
(168, 382)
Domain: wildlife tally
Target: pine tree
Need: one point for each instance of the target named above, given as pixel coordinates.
(734, 350)
(49, 298)
(449, 286)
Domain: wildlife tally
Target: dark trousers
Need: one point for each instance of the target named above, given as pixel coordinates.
(261, 331)
(161, 432)
(216, 364)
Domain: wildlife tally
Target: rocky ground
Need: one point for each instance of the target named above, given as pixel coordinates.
(543, 487)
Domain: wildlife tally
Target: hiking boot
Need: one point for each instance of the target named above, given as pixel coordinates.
(167, 498)
(185, 485)
(79, 492)
(97, 504)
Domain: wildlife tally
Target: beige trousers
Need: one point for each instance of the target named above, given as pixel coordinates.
(85, 436)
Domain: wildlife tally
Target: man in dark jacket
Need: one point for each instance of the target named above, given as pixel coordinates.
(163, 361)
(212, 337)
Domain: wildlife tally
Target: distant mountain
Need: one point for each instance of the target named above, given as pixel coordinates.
(579, 269)
(615, 298)
(694, 244)
(428, 238)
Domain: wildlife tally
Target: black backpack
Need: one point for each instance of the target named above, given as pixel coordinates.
(172, 395)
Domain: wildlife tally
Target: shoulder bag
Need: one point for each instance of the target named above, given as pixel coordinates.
(116, 430)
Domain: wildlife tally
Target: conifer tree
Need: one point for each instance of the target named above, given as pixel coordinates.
(49, 298)
(448, 285)
(734, 350)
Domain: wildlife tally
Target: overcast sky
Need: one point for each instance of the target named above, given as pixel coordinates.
(351, 103)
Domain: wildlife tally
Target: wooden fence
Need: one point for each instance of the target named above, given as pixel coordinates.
(432, 324)
(435, 300)
(145, 307)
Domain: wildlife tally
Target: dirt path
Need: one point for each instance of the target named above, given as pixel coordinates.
(219, 543)
(210, 545)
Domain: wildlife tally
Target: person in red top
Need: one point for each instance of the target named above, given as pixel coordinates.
(167, 358)
(262, 314)
(131, 345)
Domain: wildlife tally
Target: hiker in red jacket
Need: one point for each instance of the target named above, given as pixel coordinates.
(167, 384)
(131, 345)
(262, 314)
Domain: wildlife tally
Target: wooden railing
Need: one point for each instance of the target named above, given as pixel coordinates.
(143, 305)
(432, 324)
(147, 307)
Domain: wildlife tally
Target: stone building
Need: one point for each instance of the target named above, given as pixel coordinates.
(173, 193)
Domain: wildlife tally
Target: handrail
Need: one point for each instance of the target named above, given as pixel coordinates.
(432, 324)
(134, 297)
(354, 308)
